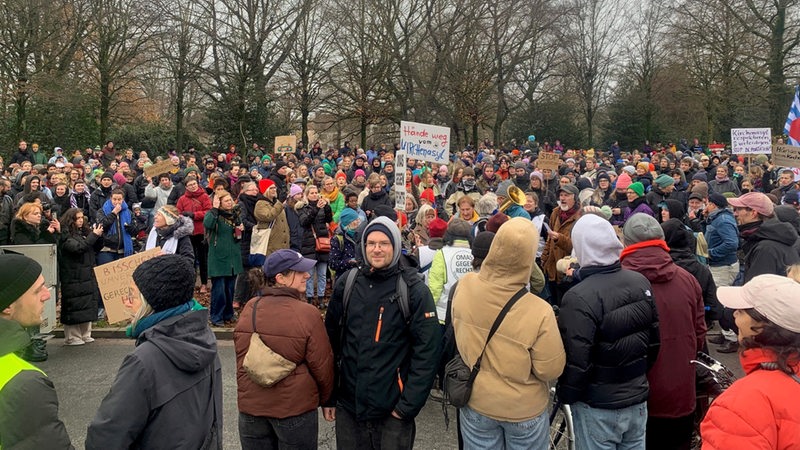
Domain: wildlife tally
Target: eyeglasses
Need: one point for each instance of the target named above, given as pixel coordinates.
(381, 244)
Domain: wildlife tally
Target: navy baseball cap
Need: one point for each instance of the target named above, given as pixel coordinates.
(285, 259)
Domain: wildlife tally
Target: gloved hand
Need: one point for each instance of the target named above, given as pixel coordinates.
(188, 214)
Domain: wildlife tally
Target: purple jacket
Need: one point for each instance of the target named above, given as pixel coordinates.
(641, 207)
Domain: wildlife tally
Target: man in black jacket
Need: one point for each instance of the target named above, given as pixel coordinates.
(28, 400)
(609, 326)
(387, 362)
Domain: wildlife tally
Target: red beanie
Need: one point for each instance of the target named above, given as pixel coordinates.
(494, 222)
(436, 228)
(264, 184)
(427, 194)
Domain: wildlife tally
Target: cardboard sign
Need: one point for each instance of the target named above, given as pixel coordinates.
(400, 160)
(158, 168)
(548, 160)
(748, 141)
(115, 279)
(786, 155)
(425, 142)
(285, 144)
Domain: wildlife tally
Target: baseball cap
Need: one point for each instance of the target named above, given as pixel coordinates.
(285, 259)
(773, 296)
(756, 201)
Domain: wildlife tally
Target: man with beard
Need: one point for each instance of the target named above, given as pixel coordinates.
(466, 186)
(559, 241)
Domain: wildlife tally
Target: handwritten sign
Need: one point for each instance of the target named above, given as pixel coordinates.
(400, 161)
(285, 144)
(786, 155)
(115, 279)
(425, 142)
(748, 141)
(158, 168)
(548, 160)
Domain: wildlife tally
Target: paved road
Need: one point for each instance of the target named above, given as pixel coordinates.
(83, 375)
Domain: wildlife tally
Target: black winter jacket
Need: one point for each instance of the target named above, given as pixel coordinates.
(23, 233)
(374, 199)
(768, 248)
(609, 325)
(313, 220)
(79, 292)
(98, 198)
(388, 370)
(167, 392)
(6, 215)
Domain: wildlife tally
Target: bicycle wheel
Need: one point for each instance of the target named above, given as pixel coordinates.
(562, 432)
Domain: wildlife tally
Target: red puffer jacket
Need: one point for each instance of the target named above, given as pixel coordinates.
(198, 203)
(760, 411)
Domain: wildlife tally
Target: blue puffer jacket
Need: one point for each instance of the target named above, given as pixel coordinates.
(722, 236)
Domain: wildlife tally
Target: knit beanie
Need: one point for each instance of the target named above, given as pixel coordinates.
(502, 188)
(604, 176)
(341, 174)
(638, 188)
(359, 173)
(459, 229)
(107, 174)
(165, 281)
(385, 226)
(169, 218)
(17, 275)
(294, 190)
(537, 174)
(346, 217)
(664, 181)
(643, 166)
(264, 184)
(119, 179)
(718, 199)
(427, 194)
(641, 227)
(437, 228)
(481, 244)
(623, 181)
(629, 169)
(494, 222)
(700, 176)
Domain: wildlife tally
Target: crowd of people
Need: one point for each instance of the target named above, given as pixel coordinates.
(626, 259)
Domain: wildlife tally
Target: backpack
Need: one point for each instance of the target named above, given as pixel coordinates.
(402, 293)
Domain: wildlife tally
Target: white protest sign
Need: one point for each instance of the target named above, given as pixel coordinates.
(425, 142)
(400, 160)
(786, 155)
(748, 141)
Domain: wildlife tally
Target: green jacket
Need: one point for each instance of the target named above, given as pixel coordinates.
(40, 157)
(28, 401)
(224, 253)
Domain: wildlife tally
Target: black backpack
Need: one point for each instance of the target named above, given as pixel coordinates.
(402, 293)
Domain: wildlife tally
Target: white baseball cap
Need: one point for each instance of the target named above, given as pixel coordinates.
(774, 296)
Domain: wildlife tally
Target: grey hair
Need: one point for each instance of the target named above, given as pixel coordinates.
(486, 204)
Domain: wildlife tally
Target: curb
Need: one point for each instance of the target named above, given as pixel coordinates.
(222, 334)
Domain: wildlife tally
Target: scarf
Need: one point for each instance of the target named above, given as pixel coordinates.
(124, 217)
(170, 245)
(331, 198)
(563, 216)
(722, 179)
(151, 320)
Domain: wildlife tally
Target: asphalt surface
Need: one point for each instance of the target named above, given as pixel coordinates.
(83, 376)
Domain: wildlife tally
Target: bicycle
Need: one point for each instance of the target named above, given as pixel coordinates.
(562, 431)
(713, 379)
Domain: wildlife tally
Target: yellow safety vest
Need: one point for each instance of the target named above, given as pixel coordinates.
(10, 366)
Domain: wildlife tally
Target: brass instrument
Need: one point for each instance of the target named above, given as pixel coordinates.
(515, 195)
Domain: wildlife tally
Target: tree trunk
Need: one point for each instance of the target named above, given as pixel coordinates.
(179, 99)
(105, 105)
(363, 130)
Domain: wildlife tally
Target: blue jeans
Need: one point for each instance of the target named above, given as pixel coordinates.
(298, 432)
(609, 429)
(222, 298)
(321, 269)
(481, 432)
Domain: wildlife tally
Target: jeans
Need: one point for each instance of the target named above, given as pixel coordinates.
(222, 299)
(609, 429)
(725, 276)
(298, 432)
(481, 432)
(321, 270)
(383, 434)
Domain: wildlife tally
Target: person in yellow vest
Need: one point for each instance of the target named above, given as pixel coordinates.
(28, 401)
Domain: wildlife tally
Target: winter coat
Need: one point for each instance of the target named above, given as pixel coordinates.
(79, 291)
(681, 323)
(293, 329)
(758, 412)
(224, 255)
(313, 220)
(609, 325)
(295, 230)
(61, 204)
(19, 157)
(374, 199)
(82, 201)
(637, 206)
(526, 352)
(23, 233)
(555, 250)
(168, 391)
(343, 253)
(115, 242)
(246, 207)
(722, 187)
(768, 248)
(6, 216)
(180, 230)
(198, 203)
(97, 199)
(267, 212)
(722, 237)
(28, 401)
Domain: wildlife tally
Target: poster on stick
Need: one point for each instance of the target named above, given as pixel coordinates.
(548, 160)
(400, 162)
(751, 141)
(285, 144)
(158, 168)
(119, 293)
(786, 155)
(425, 142)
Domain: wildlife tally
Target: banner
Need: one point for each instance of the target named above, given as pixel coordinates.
(285, 144)
(786, 155)
(749, 141)
(548, 160)
(158, 168)
(119, 293)
(400, 160)
(425, 142)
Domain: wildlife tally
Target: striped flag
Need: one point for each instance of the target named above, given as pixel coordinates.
(792, 127)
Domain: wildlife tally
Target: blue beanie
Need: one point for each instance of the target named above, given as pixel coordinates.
(347, 216)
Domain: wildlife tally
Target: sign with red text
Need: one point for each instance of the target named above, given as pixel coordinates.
(119, 293)
(425, 142)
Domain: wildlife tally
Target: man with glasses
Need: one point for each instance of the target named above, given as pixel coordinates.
(386, 361)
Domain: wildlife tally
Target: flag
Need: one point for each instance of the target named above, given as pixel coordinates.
(792, 127)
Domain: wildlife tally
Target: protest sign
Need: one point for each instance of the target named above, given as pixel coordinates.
(119, 293)
(158, 168)
(400, 160)
(749, 141)
(548, 160)
(786, 155)
(285, 144)
(425, 142)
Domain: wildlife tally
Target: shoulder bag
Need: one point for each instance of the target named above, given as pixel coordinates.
(262, 364)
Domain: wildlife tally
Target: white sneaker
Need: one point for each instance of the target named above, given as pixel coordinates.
(74, 342)
(88, 340)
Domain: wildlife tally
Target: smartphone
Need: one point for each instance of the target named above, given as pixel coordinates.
(55, 215)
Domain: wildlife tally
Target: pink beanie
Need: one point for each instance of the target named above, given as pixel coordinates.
(119, 179)
(623, 181)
